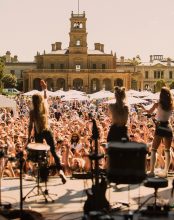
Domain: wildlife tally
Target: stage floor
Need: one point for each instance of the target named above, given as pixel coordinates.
(69, 201)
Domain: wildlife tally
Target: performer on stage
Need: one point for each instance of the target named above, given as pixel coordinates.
(163, 129)
(39, 125)
(119, 112)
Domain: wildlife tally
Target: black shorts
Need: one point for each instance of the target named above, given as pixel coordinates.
(163, 129)
(117, 133)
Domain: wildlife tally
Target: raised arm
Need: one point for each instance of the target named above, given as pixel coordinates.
(44, 88)
(151, 110)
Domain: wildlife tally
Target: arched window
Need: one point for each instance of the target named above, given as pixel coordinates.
(78, 43)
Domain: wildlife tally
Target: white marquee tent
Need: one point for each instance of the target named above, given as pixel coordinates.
(7, 103)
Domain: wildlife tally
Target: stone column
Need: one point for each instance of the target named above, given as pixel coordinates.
(54, 84)
(112, 84)
(29, 84)
(100, 84)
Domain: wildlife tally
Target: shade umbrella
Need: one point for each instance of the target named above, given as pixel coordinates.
(75, 97)
(60, 93)
(32, 92)
(101, 95)
(130, 101)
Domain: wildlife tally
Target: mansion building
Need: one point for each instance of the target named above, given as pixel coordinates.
(90, 70)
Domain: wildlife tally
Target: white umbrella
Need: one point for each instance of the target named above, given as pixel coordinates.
(130, 101)
(60, 93)
(101, 95)
(153, 96)
(132, 92)
(74, 92)
(75, 97)
(32, 92)
(49, 93)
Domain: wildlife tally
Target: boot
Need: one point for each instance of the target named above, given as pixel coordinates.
(152, 163)
(62, 176)
(164, 173)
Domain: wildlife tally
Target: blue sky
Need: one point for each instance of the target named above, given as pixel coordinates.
(127, 27)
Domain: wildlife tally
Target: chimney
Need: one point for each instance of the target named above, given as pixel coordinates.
(8, 57)
(151, 59)
(53, 47)
(168, 61)
(102, 47)
(97, 46)
(58, 45)
(15, 59)
(122, 59)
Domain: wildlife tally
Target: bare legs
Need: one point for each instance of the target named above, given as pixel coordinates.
(155, 145)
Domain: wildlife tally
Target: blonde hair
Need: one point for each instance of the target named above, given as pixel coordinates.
(39, 113)
(120, 94)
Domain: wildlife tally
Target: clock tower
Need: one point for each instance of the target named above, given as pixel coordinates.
(78, 34)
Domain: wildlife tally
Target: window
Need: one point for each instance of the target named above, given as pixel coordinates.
(78, 43)
(61, 66)
(170, 75)
(159, 74)
(21, 73)
(94, 66)
(103, 66)
(77, 67)
(146, 74)
(162, 74)
(52, 65)
(12, 72)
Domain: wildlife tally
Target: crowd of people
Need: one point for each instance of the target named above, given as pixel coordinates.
(68, 129)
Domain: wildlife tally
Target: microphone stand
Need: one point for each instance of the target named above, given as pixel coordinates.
(96, 200)
(21, 160)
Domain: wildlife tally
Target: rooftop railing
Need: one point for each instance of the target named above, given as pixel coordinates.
(77, 71)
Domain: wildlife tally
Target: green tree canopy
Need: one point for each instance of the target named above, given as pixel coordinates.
(9, 80)
(159, 84)
(171, 85)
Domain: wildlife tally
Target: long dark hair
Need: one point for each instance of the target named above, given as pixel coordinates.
(166, 100)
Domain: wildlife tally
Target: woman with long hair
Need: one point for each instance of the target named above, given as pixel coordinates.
(119, 113)
(39, 124)
(163, 130)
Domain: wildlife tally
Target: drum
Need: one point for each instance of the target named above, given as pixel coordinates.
(37, 152)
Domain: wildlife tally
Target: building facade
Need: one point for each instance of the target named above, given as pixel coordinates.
(158, 68)
(90, 70)
(14, 67)
(77, 67)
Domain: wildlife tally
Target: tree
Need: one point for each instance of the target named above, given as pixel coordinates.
(2, 64)
(159, 84)
(171, 85)
(9, 80)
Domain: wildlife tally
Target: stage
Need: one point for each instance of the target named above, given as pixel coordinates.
(70, 198)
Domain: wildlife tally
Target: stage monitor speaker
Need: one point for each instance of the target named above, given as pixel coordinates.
(126, 162)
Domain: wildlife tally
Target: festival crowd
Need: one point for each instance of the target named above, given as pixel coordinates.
(70, 123)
